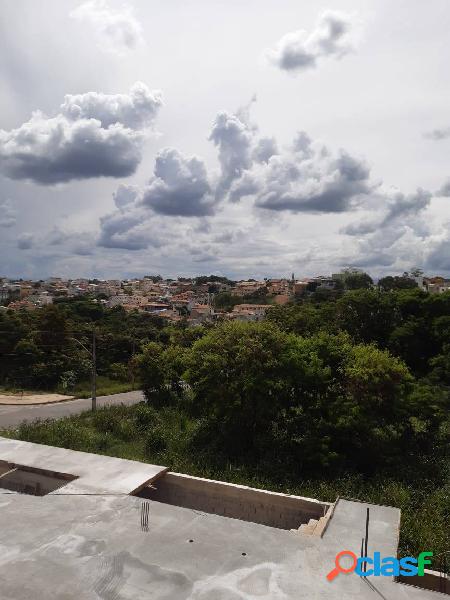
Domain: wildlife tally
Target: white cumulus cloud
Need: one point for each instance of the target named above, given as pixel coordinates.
(117, 31)
(94, 135)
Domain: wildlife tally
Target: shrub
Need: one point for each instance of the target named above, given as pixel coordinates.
(144, 416)
(119, 372)
(155, 443)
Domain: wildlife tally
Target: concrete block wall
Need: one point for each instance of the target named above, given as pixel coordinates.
(5, 467)
(236, 501)
(431, 580)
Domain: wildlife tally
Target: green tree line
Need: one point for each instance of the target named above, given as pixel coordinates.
(51, 347)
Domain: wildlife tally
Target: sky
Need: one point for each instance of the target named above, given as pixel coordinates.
(247, 139)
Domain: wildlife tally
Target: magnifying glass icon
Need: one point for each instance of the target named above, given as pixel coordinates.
(339, 568)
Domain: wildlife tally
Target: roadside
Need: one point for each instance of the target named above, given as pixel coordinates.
(105, 387)
(11, 416)
(83, 389)
(29, 398)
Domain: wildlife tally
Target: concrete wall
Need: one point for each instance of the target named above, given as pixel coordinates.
(5, 467)
(236, 501)
(431, 580)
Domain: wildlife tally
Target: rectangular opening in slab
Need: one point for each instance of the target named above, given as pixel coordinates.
(235, 501)
(30, 480)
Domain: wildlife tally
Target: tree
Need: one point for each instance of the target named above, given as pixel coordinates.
(82, 309)
(377, 380)
(12, 330)
(150, 367)
(52, 329)
(375, 407)
(179, 335)
(26, 357)
(258, 297)
(201, 279)
(440, 367)
(413, 340)
(320, 400)
(353, 414)
(160, 372)
(415, 272)
(299, 318)
(356, 281)
(156, 278)
(367, 315)
(429, 424)
(396, 283)
(305, 318)
(226, 301)
(241, 376)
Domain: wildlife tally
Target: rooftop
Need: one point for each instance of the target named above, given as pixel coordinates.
(89, 539)
(95, 474)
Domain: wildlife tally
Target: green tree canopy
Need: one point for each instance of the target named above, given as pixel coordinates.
(396, 283)
(356, 281)
(241, 376)
(367, 315)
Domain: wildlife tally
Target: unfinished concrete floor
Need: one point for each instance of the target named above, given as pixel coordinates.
(93, 546)
(95, 474)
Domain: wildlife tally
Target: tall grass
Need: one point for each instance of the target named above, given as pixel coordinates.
(82, 389)
(105, 387)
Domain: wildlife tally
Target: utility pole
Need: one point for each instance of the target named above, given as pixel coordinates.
(94, 366)
(132, 365)
(94, 372)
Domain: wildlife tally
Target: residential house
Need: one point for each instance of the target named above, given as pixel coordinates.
(249, 312)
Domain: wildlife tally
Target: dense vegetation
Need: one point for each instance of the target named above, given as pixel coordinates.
(51, 348)
(339, 393)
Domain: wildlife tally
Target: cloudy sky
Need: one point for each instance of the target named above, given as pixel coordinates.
(248, 139)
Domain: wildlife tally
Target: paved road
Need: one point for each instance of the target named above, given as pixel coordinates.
(11, 416)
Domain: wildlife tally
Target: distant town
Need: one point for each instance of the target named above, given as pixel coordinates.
(200, 299)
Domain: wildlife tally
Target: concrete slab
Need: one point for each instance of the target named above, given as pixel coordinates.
(87, 542)
(86, 547)
(96, 474)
